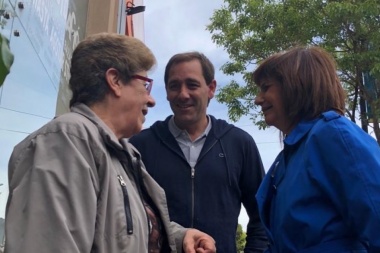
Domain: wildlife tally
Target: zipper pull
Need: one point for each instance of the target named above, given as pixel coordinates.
(192, 172)
(121, 180)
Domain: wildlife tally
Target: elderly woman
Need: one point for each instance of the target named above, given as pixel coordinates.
(76, 184)
(322, 194)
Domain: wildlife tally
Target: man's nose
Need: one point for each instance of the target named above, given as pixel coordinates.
(184, 92)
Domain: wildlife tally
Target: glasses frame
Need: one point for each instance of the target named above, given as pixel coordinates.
(148, 82)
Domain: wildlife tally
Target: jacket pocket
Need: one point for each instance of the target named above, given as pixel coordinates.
(127, 207)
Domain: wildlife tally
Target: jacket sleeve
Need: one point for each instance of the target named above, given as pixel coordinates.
(345, 162)
(178, 233)
(52, 196)
(252, 175)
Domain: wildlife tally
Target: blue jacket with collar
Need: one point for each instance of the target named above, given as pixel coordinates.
(322, 194)
(228, 173)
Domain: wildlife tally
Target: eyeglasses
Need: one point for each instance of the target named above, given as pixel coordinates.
(148, 82)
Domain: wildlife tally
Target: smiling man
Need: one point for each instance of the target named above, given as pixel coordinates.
(206, 166)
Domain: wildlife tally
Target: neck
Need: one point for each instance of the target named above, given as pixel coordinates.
(287, 129)
(194, 130)
(109, 117)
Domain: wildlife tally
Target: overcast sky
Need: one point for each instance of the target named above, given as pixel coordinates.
(174, 26)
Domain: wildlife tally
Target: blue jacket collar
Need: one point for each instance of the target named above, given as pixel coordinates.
(304, 126)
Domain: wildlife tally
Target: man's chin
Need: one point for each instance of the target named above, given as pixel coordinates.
(182, 117)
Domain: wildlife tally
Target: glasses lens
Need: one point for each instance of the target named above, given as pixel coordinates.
(148, 82)
(148, 86)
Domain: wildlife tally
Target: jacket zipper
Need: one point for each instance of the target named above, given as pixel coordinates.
(193, 185)
(192, 196)
(127, 207)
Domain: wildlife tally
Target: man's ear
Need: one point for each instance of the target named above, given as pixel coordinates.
(114, 81)
(212, 88)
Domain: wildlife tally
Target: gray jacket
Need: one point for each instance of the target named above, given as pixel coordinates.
(69, 192)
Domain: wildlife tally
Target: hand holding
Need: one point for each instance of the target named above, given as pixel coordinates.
(196, 241)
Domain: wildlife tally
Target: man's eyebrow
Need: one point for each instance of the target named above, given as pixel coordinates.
(186, 80)
(192, 80)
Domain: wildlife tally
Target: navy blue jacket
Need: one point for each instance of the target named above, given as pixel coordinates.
(322, 193)
(228, 172)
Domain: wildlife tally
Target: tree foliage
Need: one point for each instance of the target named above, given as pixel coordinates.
(240, 239)
(251, 30)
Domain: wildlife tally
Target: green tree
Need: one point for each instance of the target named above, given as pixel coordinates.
(251, 30)
(240, 239)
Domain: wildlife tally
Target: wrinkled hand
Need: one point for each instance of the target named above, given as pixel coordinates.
(196, 241)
